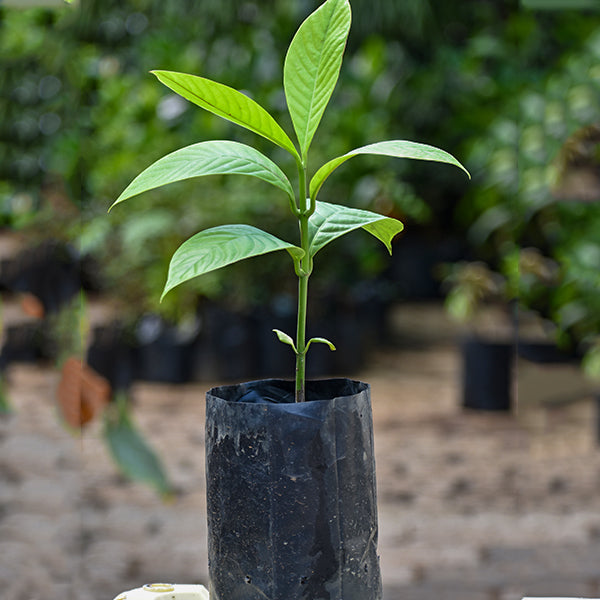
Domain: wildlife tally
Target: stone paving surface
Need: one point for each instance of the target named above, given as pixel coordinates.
(472, 506)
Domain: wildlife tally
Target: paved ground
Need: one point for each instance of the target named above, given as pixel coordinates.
(472, 506)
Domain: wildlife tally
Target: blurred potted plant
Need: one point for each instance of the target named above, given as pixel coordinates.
(535, 212)
(485, 302)
(290, 466)
(84, 394)
(476, 298)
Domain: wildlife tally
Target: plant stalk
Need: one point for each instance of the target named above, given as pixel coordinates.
(301, 339)
(303, 275)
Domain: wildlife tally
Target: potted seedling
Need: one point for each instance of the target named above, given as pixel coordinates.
(291, 495)
(478, 299)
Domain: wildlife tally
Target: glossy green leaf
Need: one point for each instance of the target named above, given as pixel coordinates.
(393, 148)
(218, 247)
(330, 221)
(321, 340)
(131, 452)
(286, 339)
(227, 103)
(312, 66)
(217, 157)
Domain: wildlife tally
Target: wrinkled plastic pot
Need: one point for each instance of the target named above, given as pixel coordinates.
(291, 495)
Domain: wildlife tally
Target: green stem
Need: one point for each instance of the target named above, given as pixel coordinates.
(303, 275)
(301, 338)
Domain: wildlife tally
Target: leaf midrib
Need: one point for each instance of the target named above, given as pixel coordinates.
(209, 162)
(313, 94)
(222, 112)
(325, 223)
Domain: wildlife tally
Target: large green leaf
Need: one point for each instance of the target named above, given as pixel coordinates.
(131, 452)
(393, 148)
(221, 246)
(217, 157)
(227, 103)
(331, 221)
(312, 66)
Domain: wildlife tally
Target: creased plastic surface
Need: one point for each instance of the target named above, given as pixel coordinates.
(291, 492)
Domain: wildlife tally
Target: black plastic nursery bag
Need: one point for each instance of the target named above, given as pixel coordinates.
(291, 492)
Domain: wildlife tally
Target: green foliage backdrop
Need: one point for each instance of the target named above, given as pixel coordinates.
(80, 115)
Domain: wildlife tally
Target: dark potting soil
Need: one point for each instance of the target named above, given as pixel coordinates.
(280, 391)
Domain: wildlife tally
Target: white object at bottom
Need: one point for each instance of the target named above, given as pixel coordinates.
(165, 591)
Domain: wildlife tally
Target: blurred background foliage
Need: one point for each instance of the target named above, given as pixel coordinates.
(511, 92)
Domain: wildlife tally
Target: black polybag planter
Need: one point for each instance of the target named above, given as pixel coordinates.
(291, 496)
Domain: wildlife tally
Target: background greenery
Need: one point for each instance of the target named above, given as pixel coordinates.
(500, 86)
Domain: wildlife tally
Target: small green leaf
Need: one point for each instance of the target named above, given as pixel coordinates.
(591, 362)
(321, 340)
(228, 103)
(5, 407)
(218, 247)
(131, 452)
(217, 157)
(393, 148)
(330, 221)
(286, 339)
(312, 66)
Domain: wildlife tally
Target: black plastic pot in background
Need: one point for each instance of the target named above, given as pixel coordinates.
(291, 495)
(275, 358)
(227, 348)
(111, 356)
(545, 353)
(22, 342)
(415, 260)
(164, 351)
(487, 376)
(50, 271)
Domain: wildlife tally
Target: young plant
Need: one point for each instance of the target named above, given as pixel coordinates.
(310, 73)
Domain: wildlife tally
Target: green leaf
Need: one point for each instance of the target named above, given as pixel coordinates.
(218, 247)
(286, 339)
(591, 362)
(330, 221)
(393, 148)
(321, 340)
(5, 407)
(131, 452)
(216, 157)
(228, 103)
(312, 66)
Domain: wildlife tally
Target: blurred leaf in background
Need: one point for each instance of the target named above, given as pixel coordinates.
(130, 450)
(561, 4)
